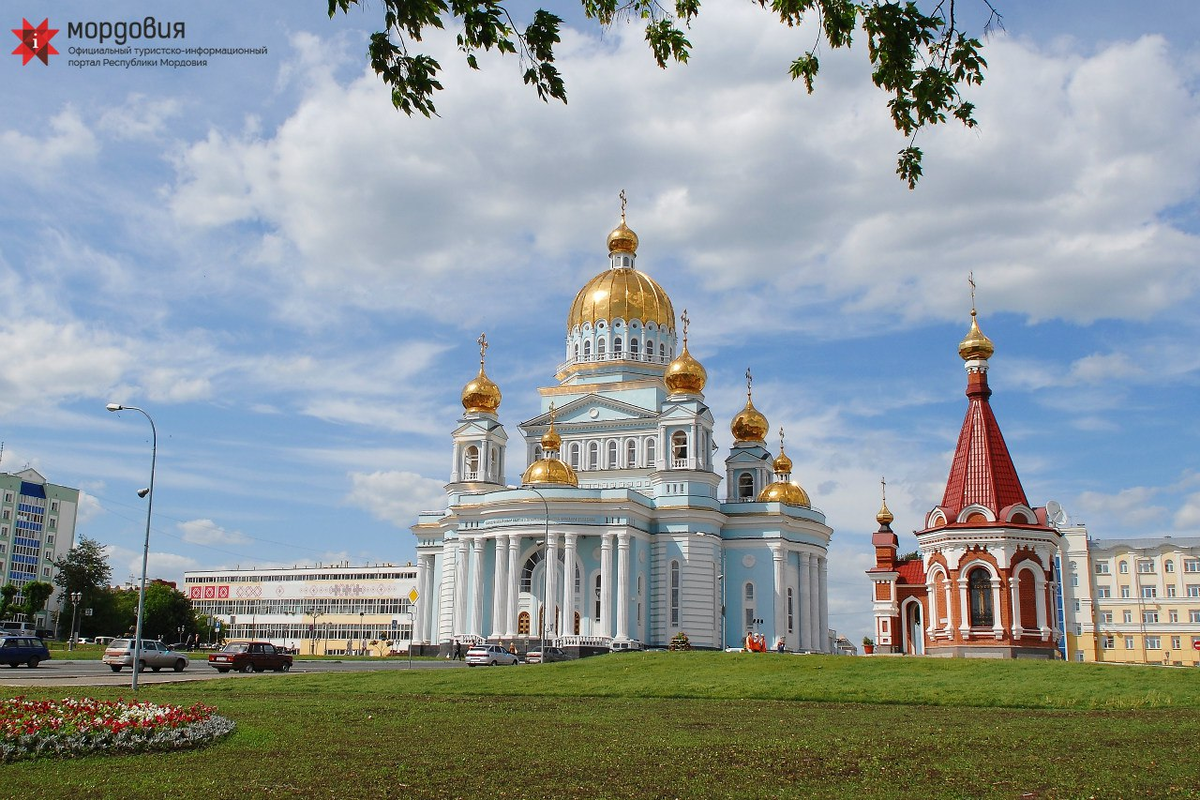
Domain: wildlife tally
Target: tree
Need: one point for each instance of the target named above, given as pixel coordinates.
(166, 611)
(36, 593)
(922, 58)
(8, 593)
(83, 568)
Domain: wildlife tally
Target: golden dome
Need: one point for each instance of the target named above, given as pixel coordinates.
(785, 492)
(884, 517)
(622, 293)
(685, 375)
(481, 394)
(783, 464)
(550, 470)
(622, 239)
(551, 441)
(749, 425)
(975, 344)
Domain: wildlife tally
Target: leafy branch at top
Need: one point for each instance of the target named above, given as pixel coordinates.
(922, 59)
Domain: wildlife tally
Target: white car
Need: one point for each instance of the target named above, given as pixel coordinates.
(490, 655)
(154, 655)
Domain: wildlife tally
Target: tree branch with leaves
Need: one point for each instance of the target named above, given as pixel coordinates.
(918, 52)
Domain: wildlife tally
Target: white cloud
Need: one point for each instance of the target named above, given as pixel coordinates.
(207, 532)
(140, 117)
(1187, 518)
(1132, 508)
(68, 139)
(395, 497)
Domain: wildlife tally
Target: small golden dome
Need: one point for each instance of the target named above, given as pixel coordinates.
(749, 425)
(884, 517)
(783, 464)
(551, 441)
(975, 344)
(685, 375)
(550, 470)
(481, 394)
(622, 239)
(787, 492)
(622, 293)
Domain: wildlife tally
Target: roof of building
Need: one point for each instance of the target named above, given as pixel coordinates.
(911, 572)
(1148, 543)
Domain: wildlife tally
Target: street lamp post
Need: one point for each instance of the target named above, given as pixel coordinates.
(548, 601)
(362, 632)
(148, 493)
(313, 644)
(75, 598)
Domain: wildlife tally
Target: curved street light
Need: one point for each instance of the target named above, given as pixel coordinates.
(148, 493)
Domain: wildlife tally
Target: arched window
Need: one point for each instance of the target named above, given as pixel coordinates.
(576, 627)
(790, 611)
(587, 350)
(617, 347)
(652, 452)
(662, 352)
(600, 348)
(523, 623)
(1169, 566)
(575, 449)
(748, 605)
(593, 455)
(494, 464)
(613, 462)
(538, 454)
(471, 463)
(577, 351)
(979, 591)
(597, 615)
(649, 349)
(631, 454)
(531, 563)
(745, 484)
(674, 592)
(679, 445)
(634, 346)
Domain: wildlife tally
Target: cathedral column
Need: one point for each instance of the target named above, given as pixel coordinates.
(514, 584)
(460, 614)
(550, 601)
(1039, 594)
(1015, 593)
(823, 596)
(964, 611)
(802, 612)
(477, 586)
(499, 588)
(606, 623)
(424, 604)
(568, 605)
(623, 586)
(814, 603)
(780, 594)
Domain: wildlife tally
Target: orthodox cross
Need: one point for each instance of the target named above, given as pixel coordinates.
(749, 381)
(686, 320)
(780, 440)
(483, 346)
(622, 196)
(971, 280)
(883, 484)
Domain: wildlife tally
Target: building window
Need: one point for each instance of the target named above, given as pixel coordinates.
(587, 350)
(1101, 567)
(1107, 643)
(652, 452)
(8, 497)
(597, 616)
(674, 592)
(471, 463)
(600, 348)
(748, 606)
(1149, 591)
(1145, 566)
(1128, 616)
(523, 623)
(613, 462)
(1153, 643)
(979, 589)
(1194, 615)
(1074, 580)
(634, 346)
(679, 446)
(1171, 591)
(1176, 643)
(745, 486)
(1149, 617)
(1172, 616)
(1103, 591)
(1106, 617)
(1125, 591)
(1124, 567)
(1191, 565)
(593, 455)
(617, 349)
(1128, 642)
(791, 613)
(1168, 566)
(576, 628)
(1077, 607)
(575, 449)
(631, 454)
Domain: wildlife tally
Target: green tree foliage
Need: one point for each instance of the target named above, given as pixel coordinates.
(918, 52)
(36, 593)
(84, 568)
(8, 593)
(110, 615)
(166, 611)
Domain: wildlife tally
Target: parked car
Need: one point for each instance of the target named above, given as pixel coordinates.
(27, 650)
(154, 655)
(250, 657)
(490, 655)
(545, 655)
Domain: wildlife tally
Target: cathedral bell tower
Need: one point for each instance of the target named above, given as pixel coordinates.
(479, 439)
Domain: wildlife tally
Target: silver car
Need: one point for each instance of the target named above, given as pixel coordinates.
(491, 655)
(154, 655)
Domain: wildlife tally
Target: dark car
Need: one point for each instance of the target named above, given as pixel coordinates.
(28, 650)
(250, 657)
(545, 655)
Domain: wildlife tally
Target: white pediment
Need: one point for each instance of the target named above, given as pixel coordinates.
(589, 409)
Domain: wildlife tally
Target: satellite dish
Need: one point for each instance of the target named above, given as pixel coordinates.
(1055, 514)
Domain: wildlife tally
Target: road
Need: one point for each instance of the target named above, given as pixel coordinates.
(68, 672)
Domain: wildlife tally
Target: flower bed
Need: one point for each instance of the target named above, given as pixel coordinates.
(79, 727)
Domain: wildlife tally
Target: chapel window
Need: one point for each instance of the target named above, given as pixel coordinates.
(745, 486)
(679, 446)
(979, 590)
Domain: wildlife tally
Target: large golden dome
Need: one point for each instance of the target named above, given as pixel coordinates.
(785, 492)
(749, 425)
(550, 470)
(975, 344)
(622, 293)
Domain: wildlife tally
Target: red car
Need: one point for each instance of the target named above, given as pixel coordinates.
(250, 657)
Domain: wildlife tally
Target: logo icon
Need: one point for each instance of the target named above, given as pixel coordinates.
(35, 42)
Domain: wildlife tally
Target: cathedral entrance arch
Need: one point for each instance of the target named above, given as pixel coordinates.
(912, 639)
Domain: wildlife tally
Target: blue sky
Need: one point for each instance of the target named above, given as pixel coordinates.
(290, 276)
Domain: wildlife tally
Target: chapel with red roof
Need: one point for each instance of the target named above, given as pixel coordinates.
(982, 583)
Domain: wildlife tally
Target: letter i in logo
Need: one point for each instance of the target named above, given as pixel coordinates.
(35, 42)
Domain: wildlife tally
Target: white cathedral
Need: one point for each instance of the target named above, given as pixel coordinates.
(618, 536)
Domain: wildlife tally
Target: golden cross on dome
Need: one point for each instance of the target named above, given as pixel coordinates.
(552, 412)
(971, 280)
(781, 440)
(686, 320)
(749, 380)
(483, 346)
(883, 483)
(622, 196)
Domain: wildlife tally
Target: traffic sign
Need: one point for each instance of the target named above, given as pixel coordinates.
(1196, 643)
(412, 596)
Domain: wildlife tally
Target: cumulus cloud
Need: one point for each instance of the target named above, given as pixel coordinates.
(68, 139)
(395, 497)
(207, 532)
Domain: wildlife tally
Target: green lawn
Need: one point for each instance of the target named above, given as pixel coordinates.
(674, 725)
